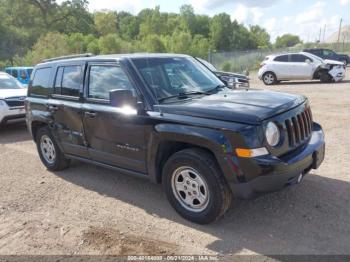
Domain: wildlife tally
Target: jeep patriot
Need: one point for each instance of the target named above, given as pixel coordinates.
(169, 119)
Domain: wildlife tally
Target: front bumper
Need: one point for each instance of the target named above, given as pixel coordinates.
(284, 171)
(11, 114)
(338, 73)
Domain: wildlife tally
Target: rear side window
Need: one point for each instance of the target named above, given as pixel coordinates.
(68, 81)
(41, 81)
(282, 58)
(103, 79)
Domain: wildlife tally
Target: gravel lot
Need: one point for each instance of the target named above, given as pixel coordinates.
(90, 210)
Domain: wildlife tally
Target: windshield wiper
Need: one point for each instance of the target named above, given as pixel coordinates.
(184, 95)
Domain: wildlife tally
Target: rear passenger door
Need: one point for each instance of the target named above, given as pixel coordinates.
(114, 137)
(282, 67)
(66, 109)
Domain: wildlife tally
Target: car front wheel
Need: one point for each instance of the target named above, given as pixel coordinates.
(195, 186)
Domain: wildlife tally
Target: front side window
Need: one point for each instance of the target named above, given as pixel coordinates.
(299, 58)
(171, 76)
(71, 81)
(103, 79)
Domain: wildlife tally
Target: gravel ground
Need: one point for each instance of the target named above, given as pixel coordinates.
(90, 210)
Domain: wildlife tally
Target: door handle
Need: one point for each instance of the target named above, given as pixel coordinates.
(90, 114)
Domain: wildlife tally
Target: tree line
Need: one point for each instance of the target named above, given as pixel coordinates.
(32, 30)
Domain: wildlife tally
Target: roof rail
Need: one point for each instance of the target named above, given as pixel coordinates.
(68, 57)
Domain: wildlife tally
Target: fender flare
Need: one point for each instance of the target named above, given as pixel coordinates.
(210, 139)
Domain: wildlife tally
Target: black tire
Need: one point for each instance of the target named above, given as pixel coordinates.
(269, 78)
(59, 162)
(325, 77)
(219, 194)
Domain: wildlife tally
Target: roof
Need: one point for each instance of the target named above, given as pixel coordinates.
(19, 67)
(111, 57)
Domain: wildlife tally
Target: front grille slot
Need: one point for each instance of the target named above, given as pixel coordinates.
(299, 128)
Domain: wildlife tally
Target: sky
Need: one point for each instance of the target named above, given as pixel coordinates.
(300, 17)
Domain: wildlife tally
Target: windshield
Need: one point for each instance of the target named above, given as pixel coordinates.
(8, 82)
(169, 77)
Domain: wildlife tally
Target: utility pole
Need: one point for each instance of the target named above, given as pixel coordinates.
(319, 39)
(324, 33)
(341, 21)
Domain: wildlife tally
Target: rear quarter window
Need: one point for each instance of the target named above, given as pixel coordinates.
(41, 84)
(282, 58)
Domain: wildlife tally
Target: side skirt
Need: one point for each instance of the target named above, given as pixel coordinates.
(118, 169)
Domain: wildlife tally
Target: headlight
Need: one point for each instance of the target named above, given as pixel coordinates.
(272, 134)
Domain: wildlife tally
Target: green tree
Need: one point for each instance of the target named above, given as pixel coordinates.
(76, 43)
(48, 46)
(221, 32)
(105, 23)
(180, 42)
(188, 18)
(287, 40)
(200, 46)
(153, 44)
(109, 44)
(260, 36)
(128, 25)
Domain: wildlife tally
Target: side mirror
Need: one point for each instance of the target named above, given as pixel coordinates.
(308, 61)
(121, 98)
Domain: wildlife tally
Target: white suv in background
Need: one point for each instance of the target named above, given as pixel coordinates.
(299, 66)
(12, 97)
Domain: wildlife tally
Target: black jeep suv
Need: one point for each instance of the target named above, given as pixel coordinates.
(169, 119)
(329, 54)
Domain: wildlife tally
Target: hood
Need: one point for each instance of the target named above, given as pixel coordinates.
(243, 106)
(229, 74)
(7, 93)
(333, 62)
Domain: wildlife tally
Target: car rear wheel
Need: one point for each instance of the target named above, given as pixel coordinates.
(269, 78)
(195, 186)
(49, 152)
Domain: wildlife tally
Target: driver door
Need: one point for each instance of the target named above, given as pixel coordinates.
(115, 137)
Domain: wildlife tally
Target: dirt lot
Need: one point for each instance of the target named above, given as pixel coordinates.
(90, 210)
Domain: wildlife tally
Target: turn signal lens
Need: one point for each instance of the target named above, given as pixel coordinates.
(249, 153)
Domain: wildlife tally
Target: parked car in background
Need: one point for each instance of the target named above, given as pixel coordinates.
(169, 119)
(233, 80)
(22, 74)
(329, 54)
(12, 97)
(299, 66)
